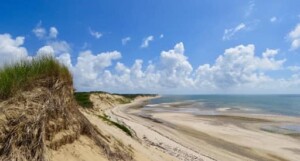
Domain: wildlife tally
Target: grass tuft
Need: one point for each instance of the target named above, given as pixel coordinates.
(118, 125)
(83, 99)
(26, 74)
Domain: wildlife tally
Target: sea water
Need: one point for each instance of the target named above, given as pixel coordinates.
(221, 104)
(273, 104)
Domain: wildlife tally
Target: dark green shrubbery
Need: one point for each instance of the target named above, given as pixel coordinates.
(83, 99)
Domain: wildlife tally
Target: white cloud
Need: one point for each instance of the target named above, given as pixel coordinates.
(39, 31)
(270, 53)
(229, 33)
(45, 51)
(295, 33)
(121, 68)
(161, 36)
(95, 34)
(174, 67)
(237, 70)
(238, 66)
(90, 68)
(11, 49)
(273, 19)
(146, 41)
(295, 44)
(125, 40)
(59, 47)
(294, 37)
(53, 32)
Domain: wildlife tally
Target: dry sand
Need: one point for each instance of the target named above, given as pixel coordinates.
(83, 149)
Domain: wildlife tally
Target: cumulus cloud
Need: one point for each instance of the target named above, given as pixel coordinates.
(294, 37)
(11, 50)
(229, 33)
(238, 66)
(90, 68)
(95, 34)
(46, 51)
(238, 70)
(174, 68)
(125, 40)
(146, 41)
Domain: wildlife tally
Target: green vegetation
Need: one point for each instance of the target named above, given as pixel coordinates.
(124, 100)
(118, 125)
(26, 74)
(133, 96)
(83, 99)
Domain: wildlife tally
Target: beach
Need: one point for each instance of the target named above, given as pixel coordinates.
(231, 136)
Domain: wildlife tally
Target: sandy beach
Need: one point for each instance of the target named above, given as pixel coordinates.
(228, 137)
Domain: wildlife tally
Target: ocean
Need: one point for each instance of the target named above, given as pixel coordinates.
(215, 104)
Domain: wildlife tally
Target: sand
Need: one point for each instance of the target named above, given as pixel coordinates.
(83, 149)
(227, 137)
(169, 136)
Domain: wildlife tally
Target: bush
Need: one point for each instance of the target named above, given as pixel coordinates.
(26, 74)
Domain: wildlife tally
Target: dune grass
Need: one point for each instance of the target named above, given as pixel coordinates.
(44, 71)
(118, 125)
(83, 99)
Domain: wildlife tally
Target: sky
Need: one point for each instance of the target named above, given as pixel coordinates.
(165, 47)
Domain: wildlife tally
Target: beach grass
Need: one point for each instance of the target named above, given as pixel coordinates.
(27, 74)
(83, 99)
(118, 125)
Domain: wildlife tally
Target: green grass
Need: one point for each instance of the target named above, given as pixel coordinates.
(118, 125)
(26, 74)
(83, 99)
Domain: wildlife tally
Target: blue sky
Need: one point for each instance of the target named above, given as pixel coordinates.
(87, 37)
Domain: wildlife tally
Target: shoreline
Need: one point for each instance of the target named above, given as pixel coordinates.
(147, 135)
(223, 137)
